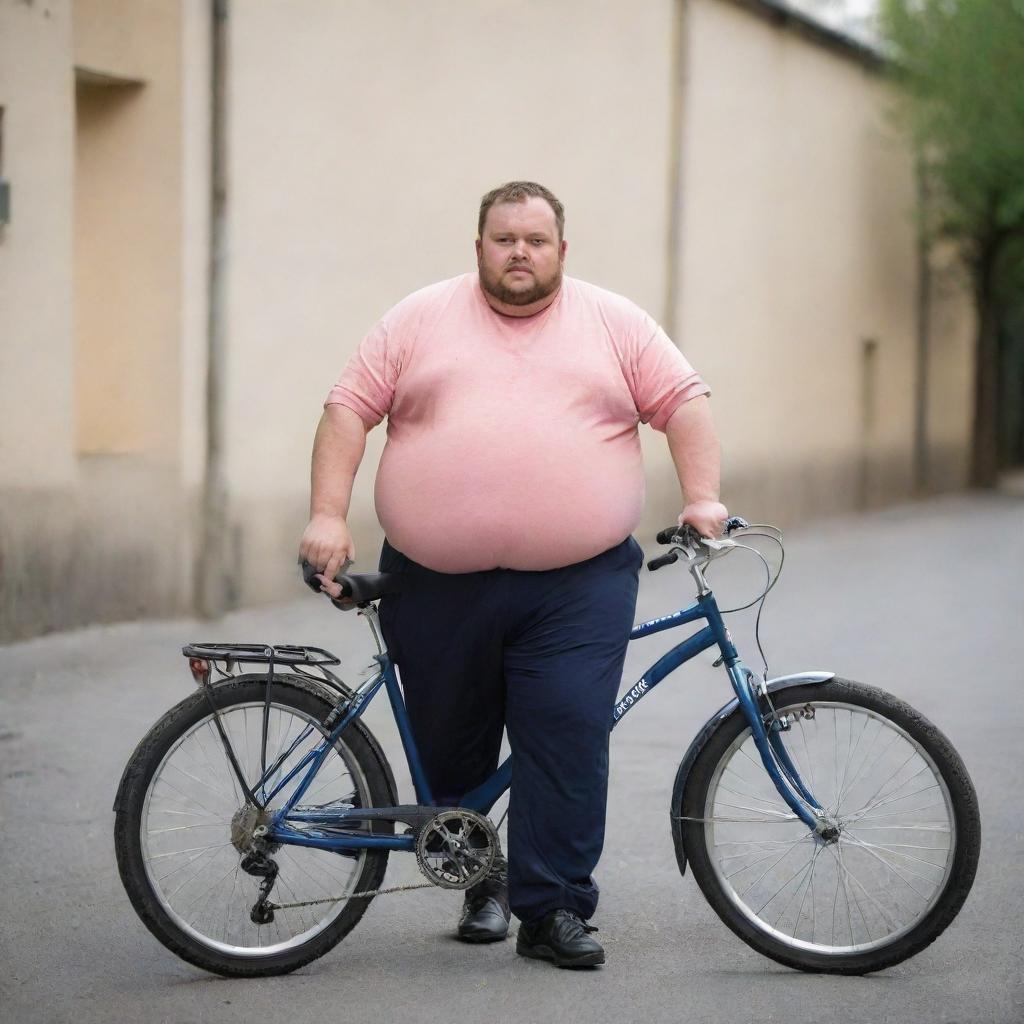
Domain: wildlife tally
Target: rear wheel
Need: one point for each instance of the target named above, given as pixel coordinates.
(183, 824)
(907, 820)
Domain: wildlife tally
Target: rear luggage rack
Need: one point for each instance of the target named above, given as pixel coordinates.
(309, 663)
(261, 654)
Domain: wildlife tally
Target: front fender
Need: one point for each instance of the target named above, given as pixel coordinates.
(702, 737)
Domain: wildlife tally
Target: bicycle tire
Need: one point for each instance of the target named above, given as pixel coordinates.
(189, 727)
(901, 861)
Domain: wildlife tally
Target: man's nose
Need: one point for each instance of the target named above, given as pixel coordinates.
(519, 248)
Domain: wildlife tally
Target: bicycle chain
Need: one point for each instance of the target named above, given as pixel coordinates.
(368, 893)
(352, 896)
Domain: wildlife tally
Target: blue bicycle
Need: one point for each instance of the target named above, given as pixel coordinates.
(829, 824)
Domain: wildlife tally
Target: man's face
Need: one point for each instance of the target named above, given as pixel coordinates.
(519, 256)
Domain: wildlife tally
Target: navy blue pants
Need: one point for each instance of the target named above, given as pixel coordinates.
(538, 653)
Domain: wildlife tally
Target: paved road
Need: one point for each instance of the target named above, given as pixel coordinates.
(925, 600)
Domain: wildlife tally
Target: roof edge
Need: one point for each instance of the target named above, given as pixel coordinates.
(781, 14)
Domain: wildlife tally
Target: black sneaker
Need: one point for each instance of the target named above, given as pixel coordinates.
(484, 919)
(561, 937)
(485, 913)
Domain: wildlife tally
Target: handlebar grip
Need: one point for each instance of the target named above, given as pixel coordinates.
(690, 536)
(687, 535)
(666, 559)
(310, 572)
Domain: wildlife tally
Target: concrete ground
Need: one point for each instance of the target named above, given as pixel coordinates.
(926, 600)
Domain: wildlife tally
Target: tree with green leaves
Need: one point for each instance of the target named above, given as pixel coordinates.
(959, 67)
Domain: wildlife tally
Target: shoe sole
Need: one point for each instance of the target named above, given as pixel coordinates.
(480, 939)
(548, 954)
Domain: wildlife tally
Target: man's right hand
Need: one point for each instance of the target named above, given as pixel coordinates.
(326, 544)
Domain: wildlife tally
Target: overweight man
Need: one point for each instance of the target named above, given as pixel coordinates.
(508, 490)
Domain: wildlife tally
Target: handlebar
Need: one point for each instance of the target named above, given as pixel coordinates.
(686, 536)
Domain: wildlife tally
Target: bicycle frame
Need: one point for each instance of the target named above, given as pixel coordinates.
(324, 828)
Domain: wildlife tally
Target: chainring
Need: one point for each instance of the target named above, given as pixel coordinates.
(456, 848)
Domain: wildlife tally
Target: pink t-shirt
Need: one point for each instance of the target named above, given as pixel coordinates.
(512, 442)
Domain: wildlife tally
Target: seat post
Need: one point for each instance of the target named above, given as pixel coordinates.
(370, 614)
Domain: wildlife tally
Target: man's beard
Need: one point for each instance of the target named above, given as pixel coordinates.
(492, 284)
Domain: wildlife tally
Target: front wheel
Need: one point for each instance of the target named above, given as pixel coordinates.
(183, 826)
(908, 832)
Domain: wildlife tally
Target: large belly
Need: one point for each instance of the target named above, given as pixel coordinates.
(532, 498)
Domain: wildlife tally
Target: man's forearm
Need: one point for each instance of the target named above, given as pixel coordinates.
(337, 451)
(693, 442)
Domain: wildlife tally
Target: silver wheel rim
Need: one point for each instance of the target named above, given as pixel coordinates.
(894, 856)
(185, 833)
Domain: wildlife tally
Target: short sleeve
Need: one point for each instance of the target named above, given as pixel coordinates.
(662, 377)
(367, 384)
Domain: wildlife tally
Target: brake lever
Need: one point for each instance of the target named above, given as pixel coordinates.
(717, 543)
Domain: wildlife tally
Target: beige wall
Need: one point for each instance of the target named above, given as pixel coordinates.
(119, 37)
(360, 149)
(950, 372)
(96, 512)
(195, 241)
(36, 399)
(795, 291)
(128, 228)
(361, 137)
(798, 245)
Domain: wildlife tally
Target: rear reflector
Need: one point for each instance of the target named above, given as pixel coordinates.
(200, 669)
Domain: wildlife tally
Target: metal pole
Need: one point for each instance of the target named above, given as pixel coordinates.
(212, 576)
(676, 141)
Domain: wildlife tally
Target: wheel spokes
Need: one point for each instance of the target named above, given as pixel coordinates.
(877, 781)
(186, 831)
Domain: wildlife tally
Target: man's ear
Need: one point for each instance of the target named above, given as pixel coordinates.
(563, 248)
(479, 249)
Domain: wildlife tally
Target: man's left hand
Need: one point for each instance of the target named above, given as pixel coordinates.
(706, 517)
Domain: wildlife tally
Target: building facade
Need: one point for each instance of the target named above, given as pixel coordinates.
(727, 166)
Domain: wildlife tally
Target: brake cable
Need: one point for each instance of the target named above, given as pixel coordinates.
(757, 530)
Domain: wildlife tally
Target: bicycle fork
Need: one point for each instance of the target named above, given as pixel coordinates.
(750, 690)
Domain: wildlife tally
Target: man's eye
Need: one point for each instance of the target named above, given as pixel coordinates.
(537, 241)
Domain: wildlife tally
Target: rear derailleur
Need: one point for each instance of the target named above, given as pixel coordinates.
(260, 864)
(248, 829)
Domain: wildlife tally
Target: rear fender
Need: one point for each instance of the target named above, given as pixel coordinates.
(702, 737)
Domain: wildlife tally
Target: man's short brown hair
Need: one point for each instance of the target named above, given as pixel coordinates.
(518, 192)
